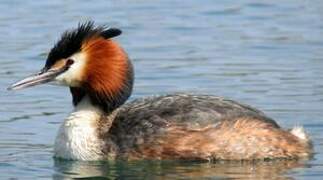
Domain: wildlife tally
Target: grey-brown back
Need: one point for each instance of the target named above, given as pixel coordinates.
(143, 119)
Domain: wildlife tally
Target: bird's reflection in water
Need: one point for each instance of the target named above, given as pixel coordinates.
(174, 169)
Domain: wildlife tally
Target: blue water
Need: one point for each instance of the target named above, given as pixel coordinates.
(265, 53)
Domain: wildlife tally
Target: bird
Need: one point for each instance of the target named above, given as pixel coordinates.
(178, 126)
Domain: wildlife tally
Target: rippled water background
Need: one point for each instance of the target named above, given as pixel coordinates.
(267, 54)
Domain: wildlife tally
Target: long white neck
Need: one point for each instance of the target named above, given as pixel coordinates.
(77, 137)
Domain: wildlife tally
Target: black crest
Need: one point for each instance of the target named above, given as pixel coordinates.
(71, 41)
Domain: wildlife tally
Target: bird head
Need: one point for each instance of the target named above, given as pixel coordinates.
(88, 61)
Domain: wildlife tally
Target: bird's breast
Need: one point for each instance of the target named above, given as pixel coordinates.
(77, 138)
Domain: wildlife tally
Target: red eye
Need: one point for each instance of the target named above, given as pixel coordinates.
(69, 62)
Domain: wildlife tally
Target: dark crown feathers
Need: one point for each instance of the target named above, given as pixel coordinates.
(71, 40)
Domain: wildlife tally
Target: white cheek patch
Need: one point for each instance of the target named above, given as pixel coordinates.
(73, 76)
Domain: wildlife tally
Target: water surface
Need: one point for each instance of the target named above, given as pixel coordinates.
(267, 54)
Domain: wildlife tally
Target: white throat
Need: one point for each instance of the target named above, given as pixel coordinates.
(77, 138)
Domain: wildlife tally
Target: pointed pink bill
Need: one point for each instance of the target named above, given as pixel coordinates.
(36, 79)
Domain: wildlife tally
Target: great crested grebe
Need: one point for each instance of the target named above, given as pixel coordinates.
(179, 126)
